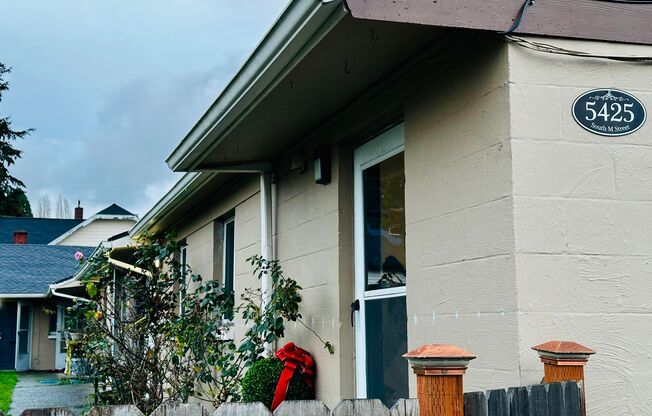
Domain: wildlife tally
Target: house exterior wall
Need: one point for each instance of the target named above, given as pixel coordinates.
(201, 231)
(309, 244)
(43, 347)
(96, 232)
(461, 285)
(521, 226)
(582, 213)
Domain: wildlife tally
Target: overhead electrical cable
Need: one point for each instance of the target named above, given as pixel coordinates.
(548, 48)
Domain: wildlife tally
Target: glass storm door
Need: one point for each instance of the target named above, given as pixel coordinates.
(23, 336)
(61, 351)
(380, 275)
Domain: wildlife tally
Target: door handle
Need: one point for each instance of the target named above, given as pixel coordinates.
(355, 306)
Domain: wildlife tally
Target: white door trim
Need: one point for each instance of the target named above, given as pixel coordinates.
(386, 145)
(20, 366)
(60, 357)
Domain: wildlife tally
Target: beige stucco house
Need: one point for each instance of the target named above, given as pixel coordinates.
(437, 176)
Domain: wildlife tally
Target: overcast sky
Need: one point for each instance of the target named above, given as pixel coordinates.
(111, 87)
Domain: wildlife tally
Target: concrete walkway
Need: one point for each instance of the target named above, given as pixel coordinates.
(31, 393)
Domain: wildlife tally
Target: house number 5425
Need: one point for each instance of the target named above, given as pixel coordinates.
(616, 115)
(609, 112)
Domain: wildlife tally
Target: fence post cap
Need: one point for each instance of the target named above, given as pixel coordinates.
(563, 352)
(439, 359)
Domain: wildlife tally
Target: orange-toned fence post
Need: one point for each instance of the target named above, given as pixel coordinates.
(440, 371)
(564, 361)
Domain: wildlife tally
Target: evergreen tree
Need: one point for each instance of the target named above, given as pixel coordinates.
(15, 204)
(13, 200)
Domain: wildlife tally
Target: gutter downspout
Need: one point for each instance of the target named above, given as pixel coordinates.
(63, 295)
(266, 246)
(266, 240)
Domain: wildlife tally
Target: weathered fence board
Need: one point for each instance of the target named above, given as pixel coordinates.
(361, 407)
(405, 407)
(53, 411)
(179, 409)
(475, 404)
(498, 403)
(242, 409)
(520, 404)
(115, 411)
(559, 399)
(302, 407)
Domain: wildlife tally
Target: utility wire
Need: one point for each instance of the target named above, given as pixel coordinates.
(528, 3)
(519, 18)
(548, 48)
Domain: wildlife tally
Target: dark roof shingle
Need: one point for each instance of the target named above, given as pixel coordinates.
(39, 230)
(114, 209)
(31, 268)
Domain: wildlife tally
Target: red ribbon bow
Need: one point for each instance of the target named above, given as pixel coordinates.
(294, 359)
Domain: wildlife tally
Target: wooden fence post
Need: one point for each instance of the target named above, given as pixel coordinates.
(564, 361)
(440, 371)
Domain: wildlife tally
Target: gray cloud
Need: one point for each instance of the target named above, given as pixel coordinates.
(138, 125)
(112, 89)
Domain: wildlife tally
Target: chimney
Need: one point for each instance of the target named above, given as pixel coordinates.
(79, 211)
(20, 237)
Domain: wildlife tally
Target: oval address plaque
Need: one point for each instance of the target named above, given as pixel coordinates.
(609, 112)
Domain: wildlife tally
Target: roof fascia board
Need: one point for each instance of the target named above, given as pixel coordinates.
(299, 29)
(583, 19)
(186, 186)
(253, 167)
(22, 295)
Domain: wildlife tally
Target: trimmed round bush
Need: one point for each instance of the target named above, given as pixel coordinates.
(259, 384)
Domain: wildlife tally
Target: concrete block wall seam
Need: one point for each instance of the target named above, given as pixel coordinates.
(581, 215)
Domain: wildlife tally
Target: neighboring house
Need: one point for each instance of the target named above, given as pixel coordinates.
(31, 318)
(436, 176)
(106, 223)
(36, 268)
(34, 230)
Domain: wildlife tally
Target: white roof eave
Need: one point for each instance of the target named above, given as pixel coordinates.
(297, 31)
(184, 188)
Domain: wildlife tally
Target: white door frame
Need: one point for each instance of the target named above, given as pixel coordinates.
(384, 146)
(60, 357)
(22, 363)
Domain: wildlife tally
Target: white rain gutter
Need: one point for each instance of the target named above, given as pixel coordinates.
(22, 296)
(266, 244)
(66, 296)
(299, 28)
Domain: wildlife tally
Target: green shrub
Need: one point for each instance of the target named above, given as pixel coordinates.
(259, 384)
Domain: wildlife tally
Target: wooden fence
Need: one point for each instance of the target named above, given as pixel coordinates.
(558, 399)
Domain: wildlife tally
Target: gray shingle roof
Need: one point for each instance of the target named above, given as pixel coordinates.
(39, 230)
(30, 268)
(114, 209)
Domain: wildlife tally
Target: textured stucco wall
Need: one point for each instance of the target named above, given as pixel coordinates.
(96, 232)
(461, 286)
(582, 215)
(308, 246)
(311, 234)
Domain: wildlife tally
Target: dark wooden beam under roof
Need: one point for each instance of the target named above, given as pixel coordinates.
(585, 19)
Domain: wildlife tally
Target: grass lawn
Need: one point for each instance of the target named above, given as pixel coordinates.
(7, 383)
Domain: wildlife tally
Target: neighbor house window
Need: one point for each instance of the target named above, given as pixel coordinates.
(52, 323)
(228, 259)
